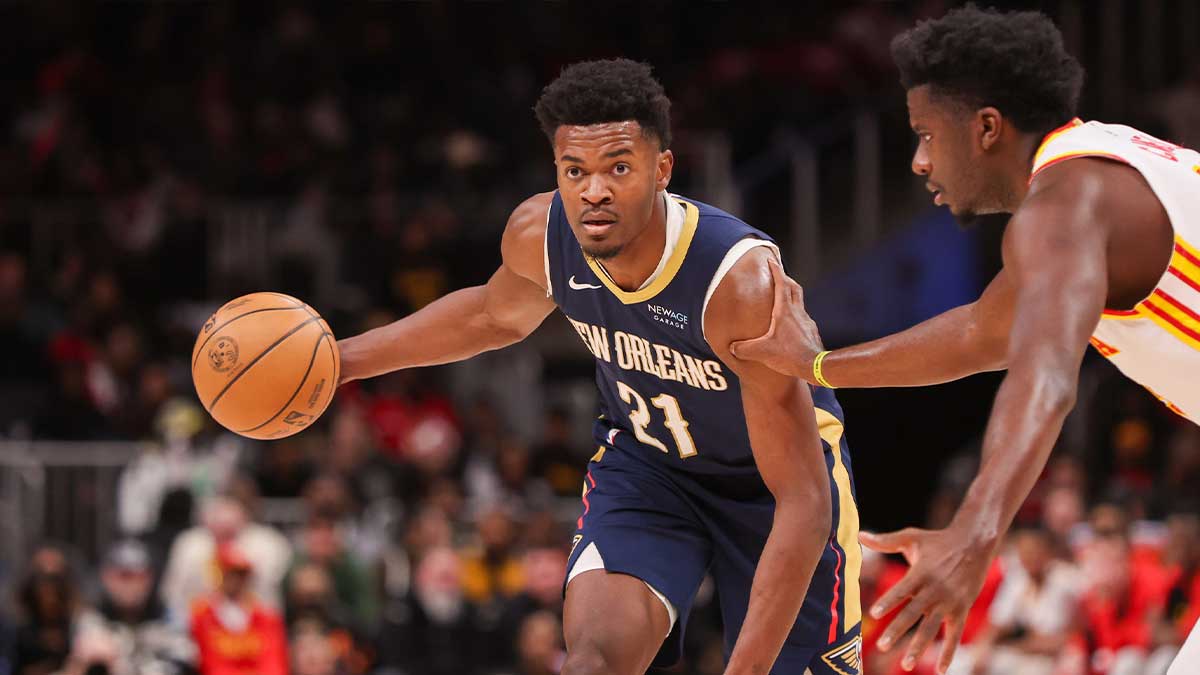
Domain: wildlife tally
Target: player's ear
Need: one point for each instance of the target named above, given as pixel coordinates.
(666, 165)
(990, 124)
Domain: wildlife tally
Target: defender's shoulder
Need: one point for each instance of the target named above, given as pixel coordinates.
(1098, 189)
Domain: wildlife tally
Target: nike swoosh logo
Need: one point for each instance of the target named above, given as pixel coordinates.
(576, 286)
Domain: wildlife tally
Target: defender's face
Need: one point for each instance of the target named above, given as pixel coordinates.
(944, 155)
(608, 175)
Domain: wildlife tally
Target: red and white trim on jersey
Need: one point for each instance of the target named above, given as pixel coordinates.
(1157, 342)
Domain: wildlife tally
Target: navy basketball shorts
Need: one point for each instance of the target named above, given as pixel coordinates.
(671, 529)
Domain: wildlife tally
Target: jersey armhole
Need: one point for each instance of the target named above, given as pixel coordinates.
(733, 255)
(546, 252)
(1077, 154)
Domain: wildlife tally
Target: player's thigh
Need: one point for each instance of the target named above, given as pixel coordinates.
(613, 623)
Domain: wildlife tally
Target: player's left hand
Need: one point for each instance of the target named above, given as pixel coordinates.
(944, 578)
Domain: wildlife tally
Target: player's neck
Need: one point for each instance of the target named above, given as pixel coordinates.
(1019, 170)
(637, 261)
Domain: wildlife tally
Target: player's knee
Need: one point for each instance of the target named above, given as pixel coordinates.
(586, 660)
(591, 659)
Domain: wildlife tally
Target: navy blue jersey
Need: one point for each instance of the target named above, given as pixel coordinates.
(664, 391)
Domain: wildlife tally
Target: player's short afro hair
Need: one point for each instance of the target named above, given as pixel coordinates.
(1014, 61)
(611, 90)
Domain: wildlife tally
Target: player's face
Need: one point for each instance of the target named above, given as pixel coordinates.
(608, 175)
(946, 156)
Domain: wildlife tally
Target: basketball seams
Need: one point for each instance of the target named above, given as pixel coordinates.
(295, 302)
(258, 358)
(216, 329)
(307, 371)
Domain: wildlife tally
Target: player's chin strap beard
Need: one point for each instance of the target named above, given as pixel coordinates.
(603, 255)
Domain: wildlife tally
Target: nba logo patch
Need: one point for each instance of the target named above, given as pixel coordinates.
(845, 659)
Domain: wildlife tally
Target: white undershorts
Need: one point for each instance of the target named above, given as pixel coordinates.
(590, 560)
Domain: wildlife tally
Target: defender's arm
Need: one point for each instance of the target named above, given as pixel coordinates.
(960, 342)
(788, 452)
(1055, 252)
(473, 320)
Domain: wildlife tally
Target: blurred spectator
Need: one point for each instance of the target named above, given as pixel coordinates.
(368, 476)
(544, 570)
(24, 368)
(1182, 559)
(284, 468)
(235, 633)
(554, 460)
(322, 543)
(312, 652)
(93, 652)
(1120, 607)
(426, 631)
(174, 517)
(1034, 612)
(313, 610)
(539, 645)
(191, 565)
(48, 599)
(132, 620)
(1181, 474)
(1062, 514)
(493, 570)
(70, 412)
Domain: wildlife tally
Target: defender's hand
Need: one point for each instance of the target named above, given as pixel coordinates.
(943, 580)
(792, 341)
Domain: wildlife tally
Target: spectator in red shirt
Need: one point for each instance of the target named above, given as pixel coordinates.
(234, 632)
(1120, 608)
(1182, 558)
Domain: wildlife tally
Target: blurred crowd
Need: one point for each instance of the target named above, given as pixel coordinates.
(415, 530)
(1100, 574)
(442, 553)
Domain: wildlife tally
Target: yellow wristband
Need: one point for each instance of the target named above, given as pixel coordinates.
(817, 374)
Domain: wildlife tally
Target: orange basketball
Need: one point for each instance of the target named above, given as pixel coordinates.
(265, 365)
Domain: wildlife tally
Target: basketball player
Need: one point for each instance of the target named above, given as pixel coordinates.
(704, 464)
(1103, 247)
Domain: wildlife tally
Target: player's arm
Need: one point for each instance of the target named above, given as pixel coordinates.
(1055, 255)
(788, 452)
(467, 322)
(963, 341)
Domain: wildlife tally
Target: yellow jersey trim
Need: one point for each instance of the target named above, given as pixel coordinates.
(830, 429)
(690, 220)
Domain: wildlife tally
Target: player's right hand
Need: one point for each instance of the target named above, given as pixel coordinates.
(792, 340)
(944, 577)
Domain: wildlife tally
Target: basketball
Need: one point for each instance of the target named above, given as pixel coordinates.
(265, 365)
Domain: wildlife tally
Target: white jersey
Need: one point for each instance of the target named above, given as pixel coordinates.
(1157, 343)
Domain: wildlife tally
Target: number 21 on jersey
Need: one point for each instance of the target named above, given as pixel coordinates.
(640, 417)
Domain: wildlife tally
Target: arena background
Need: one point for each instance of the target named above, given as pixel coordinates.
(159, 159)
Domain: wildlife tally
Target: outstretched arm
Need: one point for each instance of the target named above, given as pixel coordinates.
(1055, 252)
(466, 322)
(963, 341)
(788, 452)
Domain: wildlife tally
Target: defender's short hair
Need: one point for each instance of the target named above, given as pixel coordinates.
(611, 90)
(1014, 61)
